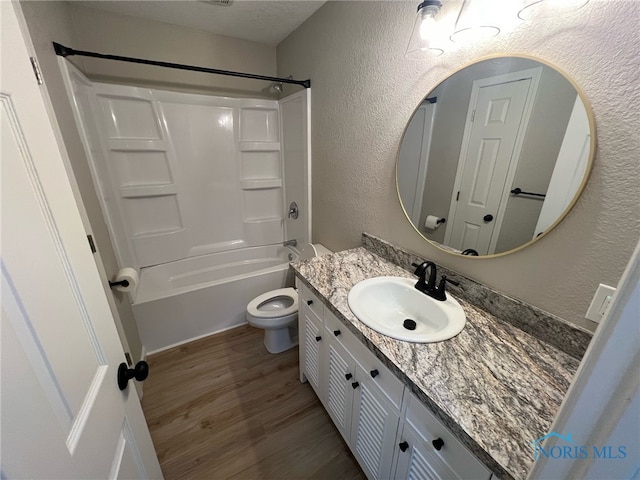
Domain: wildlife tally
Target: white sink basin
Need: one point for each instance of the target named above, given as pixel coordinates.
(384, 303)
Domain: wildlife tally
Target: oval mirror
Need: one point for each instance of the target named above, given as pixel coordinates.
(495, 156)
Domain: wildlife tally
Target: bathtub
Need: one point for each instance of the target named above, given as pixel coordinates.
(181, 301)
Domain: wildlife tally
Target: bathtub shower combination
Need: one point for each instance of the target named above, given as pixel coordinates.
(195, 191)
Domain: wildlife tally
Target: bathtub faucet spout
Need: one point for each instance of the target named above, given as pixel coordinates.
(290, 243)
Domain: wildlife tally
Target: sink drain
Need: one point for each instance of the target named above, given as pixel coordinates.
(409, 324)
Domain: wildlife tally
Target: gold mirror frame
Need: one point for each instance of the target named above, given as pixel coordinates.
(580, 189)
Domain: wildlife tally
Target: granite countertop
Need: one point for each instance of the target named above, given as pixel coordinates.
(496, 387)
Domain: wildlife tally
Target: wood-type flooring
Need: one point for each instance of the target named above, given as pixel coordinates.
(222, 407)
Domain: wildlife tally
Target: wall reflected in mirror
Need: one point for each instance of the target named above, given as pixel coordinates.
(499, 152)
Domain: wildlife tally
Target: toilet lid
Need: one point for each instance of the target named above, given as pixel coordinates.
(311, 250)
(307, 251)
(274, 304)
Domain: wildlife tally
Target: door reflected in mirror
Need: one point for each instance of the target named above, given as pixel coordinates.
(495, 156)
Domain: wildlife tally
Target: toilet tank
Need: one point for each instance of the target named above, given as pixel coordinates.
(310, 250)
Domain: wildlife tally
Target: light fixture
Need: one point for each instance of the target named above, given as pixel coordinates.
(424, 29)
(534, 9)
(476, 21)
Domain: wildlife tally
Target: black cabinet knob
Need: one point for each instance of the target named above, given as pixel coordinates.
(318, 338)
(487, 218)
(374, 373)
(348, 376)
(355, 385)
(438, 443)
(336, 332)
(309, 302)
(140, 372)
(403, 446)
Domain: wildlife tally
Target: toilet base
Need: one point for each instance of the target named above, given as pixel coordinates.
(278, 340)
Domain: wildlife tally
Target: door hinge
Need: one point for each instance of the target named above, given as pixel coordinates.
(458, 196)
(91, 244)
(36, 70)
(473, 115)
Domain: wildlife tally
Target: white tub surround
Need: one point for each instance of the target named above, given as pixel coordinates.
(195, 190)
(181, 301)
(181, 175)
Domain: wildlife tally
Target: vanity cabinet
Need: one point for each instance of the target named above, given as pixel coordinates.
(311, 331)
(374, 427)
(341, 385)
(389, 431)
(428, 450)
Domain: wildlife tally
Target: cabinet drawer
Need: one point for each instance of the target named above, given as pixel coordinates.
(307, 299)
(452, 452)
(381, 375)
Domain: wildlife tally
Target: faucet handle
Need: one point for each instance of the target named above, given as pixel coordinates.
(441, 292)
(445, 279)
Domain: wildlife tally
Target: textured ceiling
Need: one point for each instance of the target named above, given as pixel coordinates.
(267, 22)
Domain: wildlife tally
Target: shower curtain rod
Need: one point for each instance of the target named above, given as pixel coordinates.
(63, 51)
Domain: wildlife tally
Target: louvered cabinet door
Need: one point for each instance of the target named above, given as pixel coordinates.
(340, 387)
(374, 427)
(313, 344)
(415, 461)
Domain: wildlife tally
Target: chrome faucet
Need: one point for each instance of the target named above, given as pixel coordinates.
(290, 243)
(429, 287)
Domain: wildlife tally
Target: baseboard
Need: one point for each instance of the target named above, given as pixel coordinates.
(193, 339)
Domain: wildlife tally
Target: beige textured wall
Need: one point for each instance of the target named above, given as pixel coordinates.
(364, 91)
(106, 32)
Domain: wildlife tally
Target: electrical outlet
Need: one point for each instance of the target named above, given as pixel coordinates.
(600, 303)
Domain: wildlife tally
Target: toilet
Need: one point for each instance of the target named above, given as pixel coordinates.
(276, 311)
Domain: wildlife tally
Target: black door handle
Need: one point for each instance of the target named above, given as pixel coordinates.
(309, 302)
(348, 376)
(318, 338)
(374, 373)
(336, 332)
(488, 217)
(355, 385)
(139, 372)
(438, 443)
(403, 446)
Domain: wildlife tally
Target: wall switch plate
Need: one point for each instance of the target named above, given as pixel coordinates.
(600, 303)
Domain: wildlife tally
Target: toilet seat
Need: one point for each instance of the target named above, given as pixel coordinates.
(256, 310)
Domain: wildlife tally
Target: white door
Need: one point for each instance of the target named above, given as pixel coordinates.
(414, 155)
(489, 156)
(63, 415)
(568, 173)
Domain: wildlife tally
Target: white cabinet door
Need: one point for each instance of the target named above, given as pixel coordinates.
(416, 460)
(427, 450)
(340, 385)
(374, 427)
(313, 357)
(63, 415)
